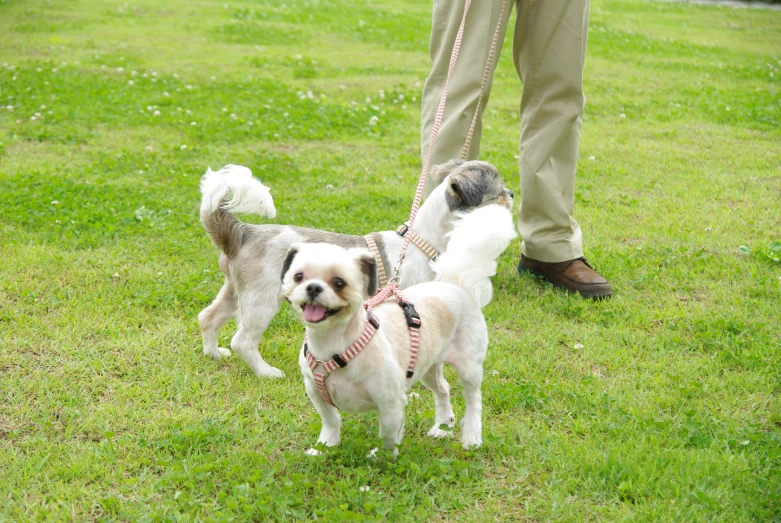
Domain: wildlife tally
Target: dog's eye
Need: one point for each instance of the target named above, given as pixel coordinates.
(297, 277)
(339, 283)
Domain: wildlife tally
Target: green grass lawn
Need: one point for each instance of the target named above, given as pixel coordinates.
(661, 404)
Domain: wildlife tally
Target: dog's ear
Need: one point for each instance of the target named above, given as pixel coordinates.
(465, 189)
(368, 267)
(441, 171)
(291, 253)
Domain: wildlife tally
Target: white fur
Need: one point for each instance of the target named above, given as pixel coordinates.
(248, 195)
(476, 241)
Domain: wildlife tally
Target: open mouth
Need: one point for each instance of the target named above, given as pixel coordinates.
(317, 313)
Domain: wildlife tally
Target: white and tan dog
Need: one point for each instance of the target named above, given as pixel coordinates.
(252, 255)
(328, 285)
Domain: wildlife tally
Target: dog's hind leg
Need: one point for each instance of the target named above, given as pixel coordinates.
(213, 317)
(254, 317)
(436, 383)
(471, 375)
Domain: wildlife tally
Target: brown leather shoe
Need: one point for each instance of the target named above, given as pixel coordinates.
(573, 275)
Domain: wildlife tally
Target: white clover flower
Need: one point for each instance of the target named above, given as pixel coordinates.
(212, 78)
(43, 107)
(622, 115)
(131, 82)
(578, 345)
(401, 97)
(133, 73)
(494, 372)
(193, 124)
(55, 202)
(54, 69)
(413, 395)
(591, 158)
(285, 115)
(165, 93)
(32, 118)
(156, 113)
(9, 107)
(224, 109)
(183, 147)
(148, 148)
(373, 121)
(120, 69)
(364, 488)
(368, 100)
(188, 86)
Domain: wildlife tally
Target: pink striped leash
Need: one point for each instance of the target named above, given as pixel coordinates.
(434, 133)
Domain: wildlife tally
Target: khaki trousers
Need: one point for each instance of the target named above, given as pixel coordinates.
(549, 50)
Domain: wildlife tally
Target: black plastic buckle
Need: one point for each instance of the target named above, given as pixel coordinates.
(339, 361)
(410, 314)
(373, 320)
(306, 348)
(401, 232)
(409, 374)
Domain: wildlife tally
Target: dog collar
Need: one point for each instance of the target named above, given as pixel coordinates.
(339, 360)
(405, 230)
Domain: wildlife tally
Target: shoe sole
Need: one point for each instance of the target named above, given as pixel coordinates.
(522, 268)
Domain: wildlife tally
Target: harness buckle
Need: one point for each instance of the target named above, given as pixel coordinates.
(371, 319)
(410, 314)
(402, 230)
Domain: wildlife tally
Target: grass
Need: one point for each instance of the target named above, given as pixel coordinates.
(661, 404)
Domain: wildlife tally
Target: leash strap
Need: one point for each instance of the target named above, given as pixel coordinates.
(339, 360)
(405, 230)
(434, 133)
(382, 274)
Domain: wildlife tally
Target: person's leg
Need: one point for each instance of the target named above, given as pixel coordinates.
(549, 50)
(474, 69)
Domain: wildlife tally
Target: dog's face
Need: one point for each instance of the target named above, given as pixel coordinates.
(327, 284)
(470, 184)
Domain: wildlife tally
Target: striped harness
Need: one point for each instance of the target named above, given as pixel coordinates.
(403, 230)
(369, 329)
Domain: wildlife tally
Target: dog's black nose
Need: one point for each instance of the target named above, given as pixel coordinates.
(313, 289)
(512, 194)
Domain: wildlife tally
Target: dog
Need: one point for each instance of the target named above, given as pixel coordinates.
(360, 357)
(252, 255)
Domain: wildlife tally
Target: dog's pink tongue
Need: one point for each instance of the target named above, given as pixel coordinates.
(314, 313)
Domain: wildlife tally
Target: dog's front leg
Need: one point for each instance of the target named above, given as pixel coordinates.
(329, 415)
(391, 418)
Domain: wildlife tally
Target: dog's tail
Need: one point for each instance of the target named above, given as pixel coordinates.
(230, 190)
(475, 243)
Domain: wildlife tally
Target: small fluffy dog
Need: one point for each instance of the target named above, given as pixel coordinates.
(252, 255)
(327, 285)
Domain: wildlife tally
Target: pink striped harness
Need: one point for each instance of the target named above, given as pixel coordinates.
(369, 329)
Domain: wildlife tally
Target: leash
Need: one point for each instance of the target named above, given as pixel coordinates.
(396, 279)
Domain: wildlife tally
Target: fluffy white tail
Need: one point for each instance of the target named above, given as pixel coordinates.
(247, 194)
(475, 243)
(232, 189)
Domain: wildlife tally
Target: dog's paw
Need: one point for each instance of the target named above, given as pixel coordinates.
(270, 372)
(313, 452)
(436, 432)
(219, 354)
(471, 442)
